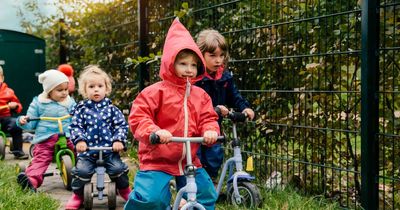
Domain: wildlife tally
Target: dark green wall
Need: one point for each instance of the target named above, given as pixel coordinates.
(22, 57)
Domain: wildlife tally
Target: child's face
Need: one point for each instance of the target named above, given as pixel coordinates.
(186, 67)
(60, 92)
(214, 60)
(1, 78)
(95, 88)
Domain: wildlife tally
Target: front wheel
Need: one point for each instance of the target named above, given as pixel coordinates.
(2, 147)
(65, 169)
(250, 196)
(31, 150)
(112, 196)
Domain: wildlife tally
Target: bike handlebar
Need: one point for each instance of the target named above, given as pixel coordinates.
(237, 116)
(155, 139)
(234, 116)
(49, 118)
(99, 148)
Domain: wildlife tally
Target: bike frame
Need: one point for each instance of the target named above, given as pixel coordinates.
(190, 171)
(100, 171)
(237, 161)
(60, 147)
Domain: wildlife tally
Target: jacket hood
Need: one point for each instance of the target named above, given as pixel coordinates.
(178, 38)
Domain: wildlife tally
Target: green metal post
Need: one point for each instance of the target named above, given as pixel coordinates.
(370, 103)
(143, 73)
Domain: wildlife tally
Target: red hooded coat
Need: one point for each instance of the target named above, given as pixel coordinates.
(160, 106)
(7, 95)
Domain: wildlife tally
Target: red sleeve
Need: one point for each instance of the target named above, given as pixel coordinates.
(141, 117)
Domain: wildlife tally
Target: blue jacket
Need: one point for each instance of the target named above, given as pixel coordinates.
(98, 124)
(223, 91)
(45, 107)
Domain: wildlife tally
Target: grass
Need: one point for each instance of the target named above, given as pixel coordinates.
(287, 199)
(13, 197)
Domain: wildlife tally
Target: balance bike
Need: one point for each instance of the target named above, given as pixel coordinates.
(89, 194)
(63, 156)
(241, 192)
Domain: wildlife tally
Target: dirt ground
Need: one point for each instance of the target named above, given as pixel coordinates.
(54, 187)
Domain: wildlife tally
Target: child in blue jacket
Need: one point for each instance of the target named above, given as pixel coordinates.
(96, 122)
(54, 101)
(219, 84)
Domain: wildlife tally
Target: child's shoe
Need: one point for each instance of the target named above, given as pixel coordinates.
(24, 181)
(74, 202)
(124, 193)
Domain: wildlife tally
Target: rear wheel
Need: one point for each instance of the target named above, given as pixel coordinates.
(250, 196)
(2, 147)
(31, 150)
(66, 168)
(88, 196)
(112, 196)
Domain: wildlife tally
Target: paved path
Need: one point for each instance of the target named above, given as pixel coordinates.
(54, 187)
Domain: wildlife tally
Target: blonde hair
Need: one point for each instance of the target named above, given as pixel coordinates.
(88, 71)
(209, 40)
(1, 71)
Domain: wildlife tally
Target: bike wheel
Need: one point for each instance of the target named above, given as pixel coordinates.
(2, 147)
(250, 196)
(31, 150)
(66, 168)
(88, 196)
(112, 196)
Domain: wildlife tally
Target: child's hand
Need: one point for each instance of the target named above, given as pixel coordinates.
(210, 137)
(81, 146)
(249, 112)
(23, 120)
(117, 146)
(224, 110)
(12, 105)
(165, 136)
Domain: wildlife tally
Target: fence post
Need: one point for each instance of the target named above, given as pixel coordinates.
(370, 103)
(143, 73)
(62, 42)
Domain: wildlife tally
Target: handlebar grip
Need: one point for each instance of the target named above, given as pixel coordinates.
(237, 116)
(32, 119)
(154, 138)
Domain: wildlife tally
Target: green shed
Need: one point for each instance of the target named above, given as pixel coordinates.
(22, 57)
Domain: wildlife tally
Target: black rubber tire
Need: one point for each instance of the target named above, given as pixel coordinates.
(249, 193)
(31, 150)
(2, 148)
(88, 196)
(112, 196)
(65, 171)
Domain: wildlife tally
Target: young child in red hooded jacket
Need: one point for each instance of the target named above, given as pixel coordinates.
(10, 104)
(159, 108)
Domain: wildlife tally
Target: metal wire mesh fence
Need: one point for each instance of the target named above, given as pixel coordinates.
(299, 64)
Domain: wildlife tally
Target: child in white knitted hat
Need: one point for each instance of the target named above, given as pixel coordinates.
(54, 101)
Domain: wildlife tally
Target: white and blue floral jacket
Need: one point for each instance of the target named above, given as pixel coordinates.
(98, 124)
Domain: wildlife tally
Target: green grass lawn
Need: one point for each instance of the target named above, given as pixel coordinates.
(12, 197)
